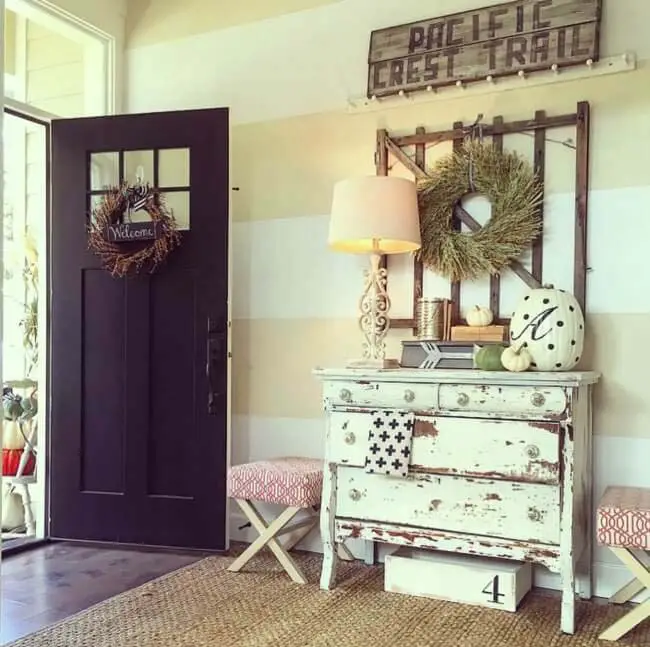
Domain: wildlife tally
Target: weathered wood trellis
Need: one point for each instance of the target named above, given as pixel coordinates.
(395, 145)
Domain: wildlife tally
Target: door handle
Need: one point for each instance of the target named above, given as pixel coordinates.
(215, 355)
(213, 360)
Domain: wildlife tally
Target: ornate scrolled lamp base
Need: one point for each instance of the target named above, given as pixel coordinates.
(374, 320)
(375, 215)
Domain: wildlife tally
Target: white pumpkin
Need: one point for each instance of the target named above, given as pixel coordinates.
(479, 316)
(12, 438)
(550, 325)
(516, 359)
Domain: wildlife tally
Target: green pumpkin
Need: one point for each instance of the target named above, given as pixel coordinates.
(488, 358)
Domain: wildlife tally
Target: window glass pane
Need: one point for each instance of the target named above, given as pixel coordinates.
(174, 167)
(141, 215)
(104, 170)
(62, 71)
(93, 202)
(138, 165)
(178, 204)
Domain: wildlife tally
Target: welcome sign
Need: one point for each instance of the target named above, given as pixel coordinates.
(493, 41)
(132, 232)
(138, 198)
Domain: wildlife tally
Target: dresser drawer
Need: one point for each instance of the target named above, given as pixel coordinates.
(492, 398)
(520, 511)
(381, 394)
(517, 450)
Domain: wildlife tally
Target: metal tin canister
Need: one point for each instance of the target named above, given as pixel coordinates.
(429, 318)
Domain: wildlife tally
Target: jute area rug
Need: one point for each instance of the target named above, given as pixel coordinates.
(203, 605)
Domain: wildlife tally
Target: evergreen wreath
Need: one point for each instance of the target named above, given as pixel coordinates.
(132, 253)
(515, 193)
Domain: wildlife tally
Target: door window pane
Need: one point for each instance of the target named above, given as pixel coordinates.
(174, 167)
(178, 204)
(93, 202)
(138, 165)
(104, 170)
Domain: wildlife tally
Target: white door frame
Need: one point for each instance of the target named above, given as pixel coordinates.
(2, 114)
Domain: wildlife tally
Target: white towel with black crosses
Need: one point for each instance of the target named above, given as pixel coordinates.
(389, 443)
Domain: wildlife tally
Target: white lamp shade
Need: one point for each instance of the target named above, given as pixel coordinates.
(375, 213)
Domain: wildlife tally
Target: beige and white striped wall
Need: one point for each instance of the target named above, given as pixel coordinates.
(288, 78)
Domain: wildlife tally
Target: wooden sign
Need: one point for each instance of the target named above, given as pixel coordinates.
(494, 41)
(132, 232)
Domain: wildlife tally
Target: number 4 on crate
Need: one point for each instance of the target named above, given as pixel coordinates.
(466, 579)
(492, 591)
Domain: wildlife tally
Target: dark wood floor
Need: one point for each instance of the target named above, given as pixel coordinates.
(50, 583)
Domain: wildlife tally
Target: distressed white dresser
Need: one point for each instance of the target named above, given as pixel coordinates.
(499, 465)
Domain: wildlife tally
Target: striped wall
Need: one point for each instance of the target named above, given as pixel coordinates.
(288, 80)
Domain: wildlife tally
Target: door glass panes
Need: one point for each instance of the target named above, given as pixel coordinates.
(94, 202)
(138, 166)
(167, 169)
(104, 170)
(178, 204)
(174, 183)
(174, 167)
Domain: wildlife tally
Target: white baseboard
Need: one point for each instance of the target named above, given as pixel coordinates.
(609, 577)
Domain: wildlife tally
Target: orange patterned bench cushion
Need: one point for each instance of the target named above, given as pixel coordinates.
(289, 481)
(624, 517)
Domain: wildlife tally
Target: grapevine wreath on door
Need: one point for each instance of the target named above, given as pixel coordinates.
(125, 246)
(515, 193)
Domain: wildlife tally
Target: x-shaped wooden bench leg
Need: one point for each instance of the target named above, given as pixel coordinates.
(268, 536)
(639, 567)
(300, 530)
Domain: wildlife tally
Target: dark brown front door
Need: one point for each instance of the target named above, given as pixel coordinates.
(138, 365)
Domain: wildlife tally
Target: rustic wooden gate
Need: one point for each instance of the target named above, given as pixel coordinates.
(395, 146)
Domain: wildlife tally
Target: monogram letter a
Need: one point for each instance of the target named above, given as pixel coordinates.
(534, 325)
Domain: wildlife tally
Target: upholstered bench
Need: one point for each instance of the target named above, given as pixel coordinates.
(292, 482)
(623, 525)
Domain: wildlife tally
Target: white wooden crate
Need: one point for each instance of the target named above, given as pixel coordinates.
(496, 583)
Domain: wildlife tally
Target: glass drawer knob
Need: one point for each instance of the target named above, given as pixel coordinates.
(463, 399)
(537, 399)
(409, 395)
(349, 438)
(534, 514)
(345, 395)
(355, 495)
(532, 451)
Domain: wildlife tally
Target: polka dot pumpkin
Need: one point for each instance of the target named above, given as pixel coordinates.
(550, 324)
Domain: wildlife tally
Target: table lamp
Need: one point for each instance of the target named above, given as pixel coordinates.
(375, 215)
